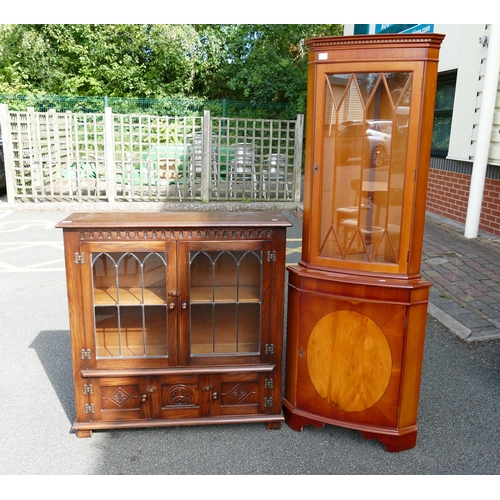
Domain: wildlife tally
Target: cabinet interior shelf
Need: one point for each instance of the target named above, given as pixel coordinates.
(225, 294)
(224, 348)
(132, 351)
(134, 295)
(129, 296)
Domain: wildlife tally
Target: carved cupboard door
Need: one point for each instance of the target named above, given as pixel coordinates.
(211, 395)
(118, 398)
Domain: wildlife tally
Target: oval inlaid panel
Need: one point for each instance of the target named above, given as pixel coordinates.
(349, 360)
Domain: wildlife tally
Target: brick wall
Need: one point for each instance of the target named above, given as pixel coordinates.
(448, 195)
(490, 211)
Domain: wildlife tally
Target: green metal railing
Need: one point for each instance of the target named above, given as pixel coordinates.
(158, 107)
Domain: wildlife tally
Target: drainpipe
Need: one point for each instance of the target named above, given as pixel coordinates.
(485, 126)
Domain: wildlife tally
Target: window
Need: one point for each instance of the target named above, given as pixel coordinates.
(445, 97)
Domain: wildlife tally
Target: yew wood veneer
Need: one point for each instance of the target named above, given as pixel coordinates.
(357, 305)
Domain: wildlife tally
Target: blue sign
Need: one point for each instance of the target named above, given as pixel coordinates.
(403, 28)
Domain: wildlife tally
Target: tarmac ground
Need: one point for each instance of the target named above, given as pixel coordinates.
(459, 411)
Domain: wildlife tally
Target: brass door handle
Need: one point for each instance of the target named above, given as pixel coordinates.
(184, 306)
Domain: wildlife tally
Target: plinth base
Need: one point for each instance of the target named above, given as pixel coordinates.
(394, 440)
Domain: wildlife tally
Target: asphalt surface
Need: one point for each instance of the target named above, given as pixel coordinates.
(459, 412)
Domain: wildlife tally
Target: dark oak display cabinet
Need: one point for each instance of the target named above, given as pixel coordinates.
(175, 318)
(357, 304)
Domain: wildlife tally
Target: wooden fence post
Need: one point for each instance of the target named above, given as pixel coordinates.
(206, 157)
(109, 155)
(7, 152)
(297, 158)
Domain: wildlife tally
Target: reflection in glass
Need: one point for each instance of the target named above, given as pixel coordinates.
(364, 156)
(130, 310)
(225, 302)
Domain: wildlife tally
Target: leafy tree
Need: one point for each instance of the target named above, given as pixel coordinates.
(116, 60)
(268, 63)
(261, 63)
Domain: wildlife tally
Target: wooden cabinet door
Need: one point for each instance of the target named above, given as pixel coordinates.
(193, 396)
(130, 304)
(181, 396)
(225, 302)
(119, 398)
(349, 359)
(241, 394)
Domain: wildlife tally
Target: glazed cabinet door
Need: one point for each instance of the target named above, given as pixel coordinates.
(130, 304)
(363, 165)
(225, 302)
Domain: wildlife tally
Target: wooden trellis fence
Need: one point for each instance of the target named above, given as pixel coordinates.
(107, 157)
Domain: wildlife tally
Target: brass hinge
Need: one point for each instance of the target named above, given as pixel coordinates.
(86, 354)
(271, 256)
(269, 349)
(88, 389)
(79, 258)
(268, 383)
(268, 402)
(89, 408)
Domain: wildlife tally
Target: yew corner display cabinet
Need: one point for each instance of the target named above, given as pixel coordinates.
(175, 318)
(357, 304)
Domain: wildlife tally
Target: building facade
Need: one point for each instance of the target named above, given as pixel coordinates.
(464, 179)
